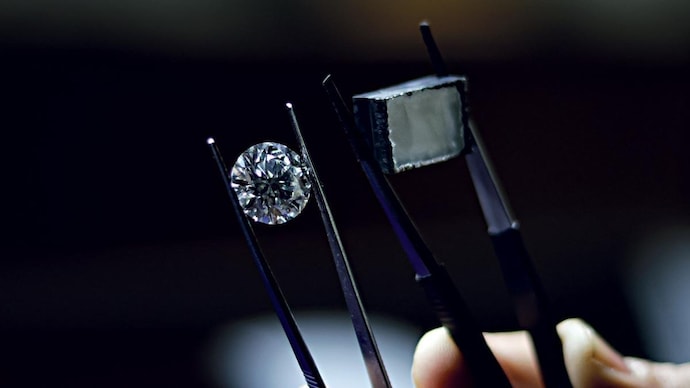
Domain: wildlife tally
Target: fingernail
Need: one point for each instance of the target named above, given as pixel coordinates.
(638, 368)
(604, 353)
(585, 341)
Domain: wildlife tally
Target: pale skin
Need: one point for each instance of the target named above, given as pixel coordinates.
(591, 362)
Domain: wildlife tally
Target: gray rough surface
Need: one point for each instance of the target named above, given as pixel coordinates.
(412, 124)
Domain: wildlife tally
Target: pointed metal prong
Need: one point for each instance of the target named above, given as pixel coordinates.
(365, 336)
(434, 53)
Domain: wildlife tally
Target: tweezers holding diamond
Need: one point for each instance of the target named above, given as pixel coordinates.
(271, 184)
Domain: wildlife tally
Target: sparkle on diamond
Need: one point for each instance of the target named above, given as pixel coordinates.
(272, 184)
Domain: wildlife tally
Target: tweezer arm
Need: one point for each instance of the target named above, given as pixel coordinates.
(523, 283)
(444, 297)
(365, 336)
(287, 320)
(530, 300)
(492, 199)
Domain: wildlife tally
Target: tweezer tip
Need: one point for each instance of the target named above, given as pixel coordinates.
(326, 80)
(424, 24)
(210, 141)
(288, 105)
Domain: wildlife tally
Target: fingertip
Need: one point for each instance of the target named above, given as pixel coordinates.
(515, 353)
(578, 349)
(654, 374)
(589, 359)
(437, 362)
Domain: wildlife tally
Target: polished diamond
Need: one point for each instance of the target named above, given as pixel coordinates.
(271, 182)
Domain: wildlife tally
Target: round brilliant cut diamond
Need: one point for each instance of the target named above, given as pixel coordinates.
(271, 182)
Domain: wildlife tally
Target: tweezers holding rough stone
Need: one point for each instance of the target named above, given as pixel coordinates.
(442, 294)
(430, 114)
(530, 300)
(365, 336)
(287, 320)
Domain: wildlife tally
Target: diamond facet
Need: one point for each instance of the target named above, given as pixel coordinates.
(271, 182)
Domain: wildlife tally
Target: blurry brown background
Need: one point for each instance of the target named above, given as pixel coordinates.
(121, 258)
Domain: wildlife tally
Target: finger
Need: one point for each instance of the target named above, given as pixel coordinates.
(439, 364)
(592, 363)
(517, 357)
(651, 374)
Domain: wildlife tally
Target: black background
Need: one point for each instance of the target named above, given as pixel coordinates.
(120, 257)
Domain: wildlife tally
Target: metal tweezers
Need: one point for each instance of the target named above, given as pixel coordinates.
(519, 274)
(365, 337)
(529, 297)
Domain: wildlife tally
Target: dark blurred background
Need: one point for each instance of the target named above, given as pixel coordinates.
(120, 259)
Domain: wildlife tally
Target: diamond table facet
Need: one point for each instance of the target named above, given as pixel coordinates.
(271, 182)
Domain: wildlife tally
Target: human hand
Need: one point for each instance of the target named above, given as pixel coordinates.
(590, 361)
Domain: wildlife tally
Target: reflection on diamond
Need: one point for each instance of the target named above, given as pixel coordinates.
(272, 184)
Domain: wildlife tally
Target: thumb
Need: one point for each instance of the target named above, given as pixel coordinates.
(591, 362)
